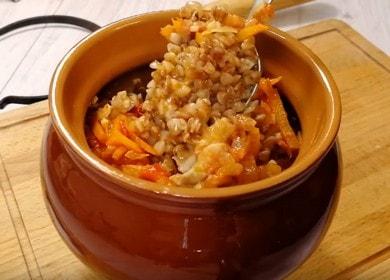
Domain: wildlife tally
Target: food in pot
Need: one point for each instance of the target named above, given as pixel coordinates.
(191, 126)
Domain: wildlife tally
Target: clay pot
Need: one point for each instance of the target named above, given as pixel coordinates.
(129, 228)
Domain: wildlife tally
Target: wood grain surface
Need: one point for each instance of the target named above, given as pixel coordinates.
(357, 245)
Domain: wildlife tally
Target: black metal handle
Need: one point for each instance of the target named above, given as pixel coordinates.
(21, 99)
(69, 20)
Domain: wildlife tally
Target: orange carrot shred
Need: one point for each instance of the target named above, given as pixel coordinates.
(118, 139)
(281, 119)
(152, 172)
(119, 152)
(251, 30)
(98, 131)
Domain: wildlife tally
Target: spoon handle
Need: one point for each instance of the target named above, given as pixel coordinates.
(243, 8)
(238, 7)
(256, 5)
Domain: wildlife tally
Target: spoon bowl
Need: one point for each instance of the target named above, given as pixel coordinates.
(253, 10)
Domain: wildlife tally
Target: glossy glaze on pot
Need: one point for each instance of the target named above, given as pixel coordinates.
(134, 229)
(139, 237)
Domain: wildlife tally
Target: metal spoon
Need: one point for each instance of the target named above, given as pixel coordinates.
(258, 66)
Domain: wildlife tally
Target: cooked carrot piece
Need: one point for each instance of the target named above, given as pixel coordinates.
(272, 169)
(98, 131)
(178, 25)
(145, 146)
(119, 152)
(119, 122)
(151, 172)
(132, 170)
(134, 156)
(265, 109)
(154, 173)
(118, 139)
(122, 125)
(254, 141)
(166, 31)
(107, 152)
(251, 30)
(276, 80)
(280, 114)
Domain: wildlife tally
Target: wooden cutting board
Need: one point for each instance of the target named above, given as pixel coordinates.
(358, 242)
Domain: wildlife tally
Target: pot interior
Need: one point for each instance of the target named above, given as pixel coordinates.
(136, 41)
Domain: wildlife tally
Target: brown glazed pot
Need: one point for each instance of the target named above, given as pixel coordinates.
(128, 228)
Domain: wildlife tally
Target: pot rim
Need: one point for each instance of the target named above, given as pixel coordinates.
(291, 174)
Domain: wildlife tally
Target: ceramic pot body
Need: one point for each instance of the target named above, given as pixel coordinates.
(131, 229)
(139, 236)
